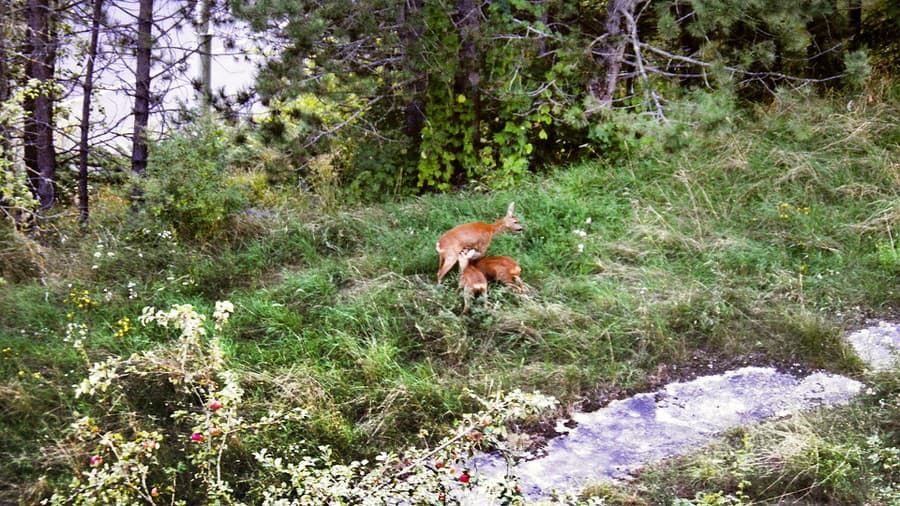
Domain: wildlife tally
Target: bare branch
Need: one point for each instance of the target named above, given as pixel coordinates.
(735, 70)
(314, 139)
(635, 43)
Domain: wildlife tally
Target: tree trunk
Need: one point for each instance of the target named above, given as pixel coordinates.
(824, 60)
(40, 153)
(142, 87)
(4, 83)
(854, 8)
(612, 51)
(88, 87)
(206, 54)
(414, 110)
(468, 79)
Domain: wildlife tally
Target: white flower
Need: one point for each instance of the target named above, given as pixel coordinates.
(579, 232)
(223, 311)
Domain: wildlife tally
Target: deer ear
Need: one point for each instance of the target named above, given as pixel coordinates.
(511, 209)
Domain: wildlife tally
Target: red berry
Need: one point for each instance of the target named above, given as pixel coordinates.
(215, 405)
(464, 478)
(96, 460)
(197, 437)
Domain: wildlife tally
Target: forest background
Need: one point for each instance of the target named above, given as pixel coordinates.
(703, 184)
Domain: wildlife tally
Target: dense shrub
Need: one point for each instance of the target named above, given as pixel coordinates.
(188, 182)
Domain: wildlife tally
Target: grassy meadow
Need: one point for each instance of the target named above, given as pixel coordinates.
(727, 237)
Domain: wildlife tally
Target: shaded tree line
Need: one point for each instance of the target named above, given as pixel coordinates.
(401, 96)
(416, 95)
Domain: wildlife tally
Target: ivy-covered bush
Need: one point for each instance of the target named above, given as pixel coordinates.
(496, 129)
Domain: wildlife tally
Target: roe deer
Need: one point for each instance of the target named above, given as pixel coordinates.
(471, 280)
(503, 269)
(476, 236)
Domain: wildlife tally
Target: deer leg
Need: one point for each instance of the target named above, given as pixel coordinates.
(503, 277)
(514, 283)
(448, 260)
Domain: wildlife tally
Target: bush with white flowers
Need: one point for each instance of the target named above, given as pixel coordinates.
(122, 455)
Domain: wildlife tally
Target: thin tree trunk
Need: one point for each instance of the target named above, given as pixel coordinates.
(142, 87)
(88, 87)
(612, 51)
(468, 80)
(414, 111)
(855, 12)
(825, 36)
(206, 53)
(4, 83)
(40, 153)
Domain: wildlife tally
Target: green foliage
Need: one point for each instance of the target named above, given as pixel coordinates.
(857, 71)
(188, 183)
(495, 129)
(16, 199)
(888, 256)
(880, 20)
(491, 131)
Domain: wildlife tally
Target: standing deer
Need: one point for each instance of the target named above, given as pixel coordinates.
(476, 236)
(503, 269)
(471, 280)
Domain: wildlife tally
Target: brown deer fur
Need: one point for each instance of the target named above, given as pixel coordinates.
(471, 280)
(476, 236)
(503, 269)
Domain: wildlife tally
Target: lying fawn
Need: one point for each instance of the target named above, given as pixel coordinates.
(474, 236)
(471, 280)
(503, 269)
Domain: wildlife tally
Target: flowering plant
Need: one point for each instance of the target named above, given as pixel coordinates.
(123, 461)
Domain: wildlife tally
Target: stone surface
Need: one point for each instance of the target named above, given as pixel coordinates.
(629, 433)
(878, 345)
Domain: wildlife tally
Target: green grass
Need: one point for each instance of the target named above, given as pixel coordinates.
(763, 237)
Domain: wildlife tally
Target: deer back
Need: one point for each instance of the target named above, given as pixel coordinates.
(478, 235)
(499, 267)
